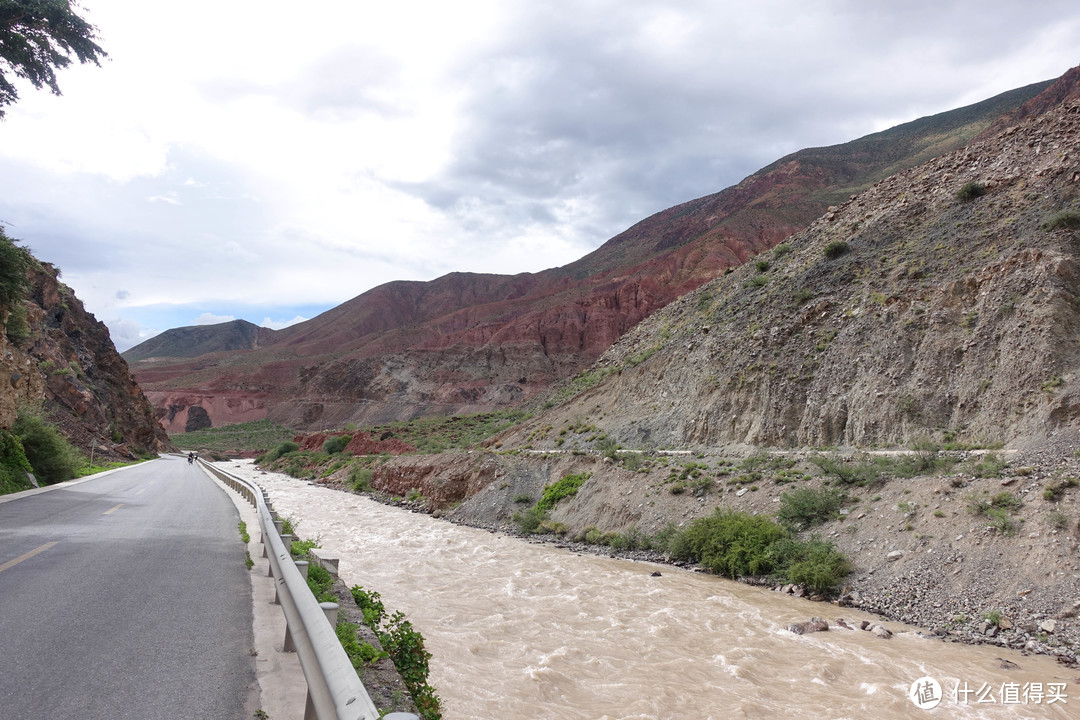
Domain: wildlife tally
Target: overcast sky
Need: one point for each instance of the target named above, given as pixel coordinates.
(269, 160)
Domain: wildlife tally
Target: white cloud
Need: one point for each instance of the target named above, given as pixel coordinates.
(211, 319)
(281, 324)
(299, 159)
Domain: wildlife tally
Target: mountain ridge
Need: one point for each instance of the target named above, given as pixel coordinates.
(469, 342)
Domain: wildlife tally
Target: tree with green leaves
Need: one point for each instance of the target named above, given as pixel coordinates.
(14, 261)
(36, 38)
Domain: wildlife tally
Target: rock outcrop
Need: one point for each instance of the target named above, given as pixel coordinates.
(68, 366)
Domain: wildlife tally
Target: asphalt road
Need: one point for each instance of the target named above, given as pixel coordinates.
(125, 596)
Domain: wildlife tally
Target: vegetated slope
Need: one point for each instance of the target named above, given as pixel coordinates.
(945, 299)
(198, 340)
(65, 362)
(469, 342)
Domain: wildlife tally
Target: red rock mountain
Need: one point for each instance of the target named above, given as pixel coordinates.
(469, 342)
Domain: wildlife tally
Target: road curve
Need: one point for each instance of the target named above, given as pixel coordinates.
(125, 596)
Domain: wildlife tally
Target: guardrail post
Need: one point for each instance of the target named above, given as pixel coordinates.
(288, 540)
(330, 609)
(289, 645)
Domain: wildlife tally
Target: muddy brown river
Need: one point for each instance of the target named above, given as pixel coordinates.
(520, 630)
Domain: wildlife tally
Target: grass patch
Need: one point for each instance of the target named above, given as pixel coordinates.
(361, 653)
(804, 508)
(989, 465)
(260, 435)
(1064, 220)
(566, 487)
(997, 511)
(434, 435)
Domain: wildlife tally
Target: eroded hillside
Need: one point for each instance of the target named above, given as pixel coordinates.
(945, 299)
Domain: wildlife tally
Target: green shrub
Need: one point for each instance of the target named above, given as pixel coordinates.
(360, 653)
(970, 191)
(530, 520)
(13, 465)
(990, 465)
(805, 507)
(14, 262)
(997, 511)
(18, 327)
(564, 488)
(301, 548)
(863, 471)
(405, 646)
(320, 581)
(1065, 220)
(360, 478)
(738, 544)
(781, 250)
(370, 604)
(761, 265)
(732, 543)
(757, 281)
(815, 563)
(336, 444)
(1054, 489)
(836, 248)
(607, 447)
(281, 450)
(51, 456)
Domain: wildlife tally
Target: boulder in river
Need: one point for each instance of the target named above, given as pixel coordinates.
(814, 624)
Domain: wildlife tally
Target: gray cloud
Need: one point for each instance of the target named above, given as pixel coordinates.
(578, 107)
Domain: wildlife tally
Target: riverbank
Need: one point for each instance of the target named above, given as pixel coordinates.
(526, 629)
(922, 553)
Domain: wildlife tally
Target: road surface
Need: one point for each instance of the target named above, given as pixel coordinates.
(125, 596)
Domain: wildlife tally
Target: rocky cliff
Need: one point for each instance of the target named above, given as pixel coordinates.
(469, 343)
(66, 364)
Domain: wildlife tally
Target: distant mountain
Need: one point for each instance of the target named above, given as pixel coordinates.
(468, 342)
(188, 342)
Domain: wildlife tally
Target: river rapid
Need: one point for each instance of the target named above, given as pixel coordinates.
(521, 630)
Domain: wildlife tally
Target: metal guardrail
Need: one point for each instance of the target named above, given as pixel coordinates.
(335, 692)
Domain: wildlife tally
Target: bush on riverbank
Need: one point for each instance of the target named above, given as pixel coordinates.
(405, 645)
(737, 544)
